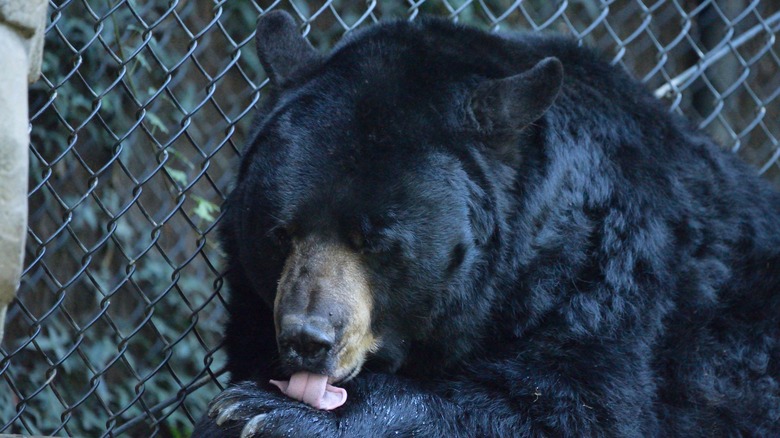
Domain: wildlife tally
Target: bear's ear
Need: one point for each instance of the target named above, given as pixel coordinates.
(281, 48)
(501, 108)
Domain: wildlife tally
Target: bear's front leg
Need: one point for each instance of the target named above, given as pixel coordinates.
(379, 405)
(248, 409)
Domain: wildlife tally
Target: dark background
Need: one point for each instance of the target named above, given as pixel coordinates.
(137, 124)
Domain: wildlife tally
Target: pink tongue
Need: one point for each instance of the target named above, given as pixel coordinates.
(312, 389)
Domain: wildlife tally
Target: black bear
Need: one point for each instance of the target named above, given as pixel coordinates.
(441, 232)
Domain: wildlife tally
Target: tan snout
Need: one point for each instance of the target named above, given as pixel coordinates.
(322, 310)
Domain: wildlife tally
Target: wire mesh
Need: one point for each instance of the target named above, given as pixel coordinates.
(137, 124)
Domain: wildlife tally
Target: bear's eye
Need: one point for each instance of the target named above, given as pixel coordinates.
(379, 244)
(457, 256)
(281, 236)
(357, 240)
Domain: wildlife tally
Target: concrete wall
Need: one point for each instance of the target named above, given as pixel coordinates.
(22, 24)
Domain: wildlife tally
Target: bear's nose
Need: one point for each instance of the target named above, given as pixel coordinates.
(311, 338)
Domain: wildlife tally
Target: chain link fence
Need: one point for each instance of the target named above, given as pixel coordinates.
(138, 122)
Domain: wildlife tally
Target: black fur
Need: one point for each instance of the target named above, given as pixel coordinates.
(613, 273)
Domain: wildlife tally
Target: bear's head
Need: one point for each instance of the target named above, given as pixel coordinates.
(373, 195)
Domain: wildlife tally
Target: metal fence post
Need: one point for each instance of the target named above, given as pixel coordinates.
(21, 44)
